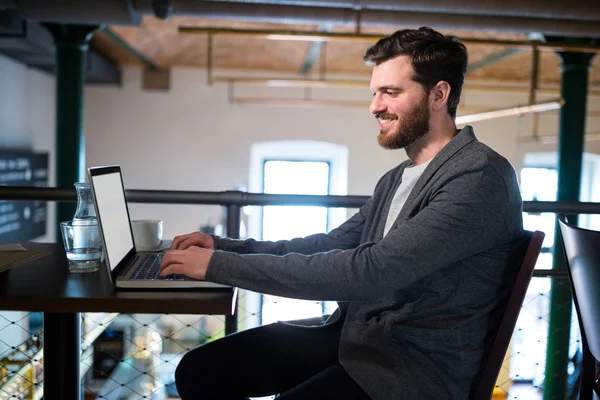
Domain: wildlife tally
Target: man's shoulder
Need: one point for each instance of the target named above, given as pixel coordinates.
(494, 172)
(494, 160)
(476, 165)
(476, 154)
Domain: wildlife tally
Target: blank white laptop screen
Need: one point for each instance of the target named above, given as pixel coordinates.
(112, 210)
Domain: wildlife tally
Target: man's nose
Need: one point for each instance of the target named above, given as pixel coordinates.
(376, 106)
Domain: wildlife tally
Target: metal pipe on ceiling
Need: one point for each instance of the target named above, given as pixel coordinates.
(552, 9)
(369, 17)
(385, 19)
(266, 13)
(548, 17)
(81, 12)
(511, 111)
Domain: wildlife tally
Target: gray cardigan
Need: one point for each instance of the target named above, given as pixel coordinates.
(415, 305)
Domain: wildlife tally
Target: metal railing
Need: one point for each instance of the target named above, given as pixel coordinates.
(148, 371)
(241, 199)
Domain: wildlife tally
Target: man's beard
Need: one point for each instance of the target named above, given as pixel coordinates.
(413, 125)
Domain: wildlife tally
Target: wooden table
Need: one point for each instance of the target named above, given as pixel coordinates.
(45, 285)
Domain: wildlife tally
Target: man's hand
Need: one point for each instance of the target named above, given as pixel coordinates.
(193, 239)
(191, 262)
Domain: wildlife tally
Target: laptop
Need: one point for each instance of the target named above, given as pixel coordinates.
(127, 267)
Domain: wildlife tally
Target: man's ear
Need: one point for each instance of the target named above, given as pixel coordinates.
(440, 94)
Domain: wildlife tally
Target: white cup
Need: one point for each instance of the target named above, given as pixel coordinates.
(147, 233)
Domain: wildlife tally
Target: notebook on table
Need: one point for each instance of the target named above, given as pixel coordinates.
(127, 267)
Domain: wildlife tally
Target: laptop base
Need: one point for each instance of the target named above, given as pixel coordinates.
(167, 284)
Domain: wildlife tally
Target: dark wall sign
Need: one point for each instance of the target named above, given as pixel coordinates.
(22, 220)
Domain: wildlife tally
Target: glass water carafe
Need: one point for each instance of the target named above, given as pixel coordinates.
(81, 235)
(85, 213)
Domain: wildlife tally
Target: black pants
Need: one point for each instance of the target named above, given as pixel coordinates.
(298, 363)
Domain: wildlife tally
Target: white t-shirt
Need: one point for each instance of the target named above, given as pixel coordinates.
(410, 176)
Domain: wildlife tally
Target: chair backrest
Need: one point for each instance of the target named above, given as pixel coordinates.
(582, 253)
(527, 257)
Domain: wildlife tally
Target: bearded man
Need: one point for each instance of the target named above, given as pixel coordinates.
(417, 271)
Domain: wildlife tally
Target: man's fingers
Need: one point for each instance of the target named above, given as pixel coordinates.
(172, 257)
(191, 262)
(170, 270)
(188, 242)
(171, 263)
(177, 241)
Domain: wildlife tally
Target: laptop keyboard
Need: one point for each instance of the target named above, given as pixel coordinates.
(149, 270)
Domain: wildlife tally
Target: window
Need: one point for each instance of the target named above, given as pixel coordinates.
(288, 222)
(527, 349)
(540, 184)
(292, 167)
(294, 177)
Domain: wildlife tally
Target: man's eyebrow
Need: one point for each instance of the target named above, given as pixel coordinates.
(387, 88)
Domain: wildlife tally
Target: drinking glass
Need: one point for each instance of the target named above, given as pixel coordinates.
(83, 245)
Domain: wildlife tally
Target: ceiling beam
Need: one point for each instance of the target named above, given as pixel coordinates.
(326, 83)
(543, 106)
(361, 37)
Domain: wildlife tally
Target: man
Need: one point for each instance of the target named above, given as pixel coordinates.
(416, 271)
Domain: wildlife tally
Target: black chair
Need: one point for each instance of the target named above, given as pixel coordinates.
(582, 254)
(527, 257)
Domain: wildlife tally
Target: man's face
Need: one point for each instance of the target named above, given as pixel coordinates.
(400, 104)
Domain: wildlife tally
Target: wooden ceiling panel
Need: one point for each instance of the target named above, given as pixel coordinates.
(176, 50)
(255, 54)
(479, 54)
(517, 67)
(161, 42)
(346, 58)
(549, 67)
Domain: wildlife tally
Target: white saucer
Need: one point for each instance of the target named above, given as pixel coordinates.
(164, 245)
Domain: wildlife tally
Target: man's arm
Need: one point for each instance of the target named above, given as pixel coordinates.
(346, 236)
(466, 216)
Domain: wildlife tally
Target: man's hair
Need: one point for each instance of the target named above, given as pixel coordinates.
(433, 56)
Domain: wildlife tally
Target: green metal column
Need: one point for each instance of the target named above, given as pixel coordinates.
(71, 43)
(574, 70)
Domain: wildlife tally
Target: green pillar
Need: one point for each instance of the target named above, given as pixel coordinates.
(574, 70)
(71, 43)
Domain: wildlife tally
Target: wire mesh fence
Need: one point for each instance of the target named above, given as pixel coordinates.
(134, 356)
